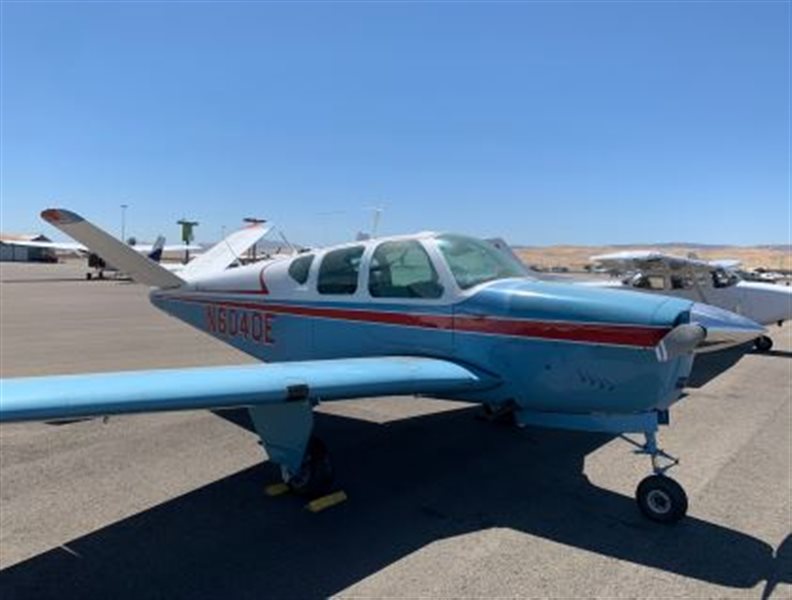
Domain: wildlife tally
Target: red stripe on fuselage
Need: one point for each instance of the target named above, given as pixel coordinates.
(592, 333)
(622, 335)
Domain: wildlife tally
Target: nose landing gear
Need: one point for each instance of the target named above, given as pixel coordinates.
(659, 497)
(763, 343)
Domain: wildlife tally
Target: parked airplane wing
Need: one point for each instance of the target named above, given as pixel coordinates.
(647, 260)
(74, 396)
(78, 248)
(224, 253)
(113, 251)
(61, 246)
(174, 247)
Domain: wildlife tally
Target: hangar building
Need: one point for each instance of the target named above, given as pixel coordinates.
(11, 252)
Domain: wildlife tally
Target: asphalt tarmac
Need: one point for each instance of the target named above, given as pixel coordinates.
(441, 504)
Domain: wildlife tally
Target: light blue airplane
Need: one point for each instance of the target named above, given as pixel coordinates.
(439, 315)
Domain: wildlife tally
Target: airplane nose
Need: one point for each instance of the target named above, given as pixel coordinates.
(723, 328)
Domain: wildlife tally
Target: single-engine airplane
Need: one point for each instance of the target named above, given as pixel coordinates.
(441, 315)
(711, 282)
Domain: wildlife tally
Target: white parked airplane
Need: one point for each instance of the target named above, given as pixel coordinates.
(99, 266)
(710, 282)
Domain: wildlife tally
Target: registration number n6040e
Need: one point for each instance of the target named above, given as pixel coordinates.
(253, 325)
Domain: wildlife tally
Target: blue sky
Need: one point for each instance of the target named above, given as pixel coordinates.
(542, 122)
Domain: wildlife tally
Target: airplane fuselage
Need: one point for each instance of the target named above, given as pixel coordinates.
(550, 347)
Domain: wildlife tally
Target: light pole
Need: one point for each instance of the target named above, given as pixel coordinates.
(123, 222)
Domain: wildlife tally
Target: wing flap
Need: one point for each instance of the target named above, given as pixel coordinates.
(74, 396)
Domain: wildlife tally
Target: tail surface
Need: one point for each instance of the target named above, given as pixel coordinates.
(112, 250)
(156, 250)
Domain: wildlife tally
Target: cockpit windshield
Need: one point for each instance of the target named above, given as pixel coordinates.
(475, 261)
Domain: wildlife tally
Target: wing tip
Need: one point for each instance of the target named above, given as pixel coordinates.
(60, 216)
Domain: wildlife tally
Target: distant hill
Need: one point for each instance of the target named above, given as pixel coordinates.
(771, 256)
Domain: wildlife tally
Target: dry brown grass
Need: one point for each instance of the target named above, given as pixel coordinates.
(575, 257)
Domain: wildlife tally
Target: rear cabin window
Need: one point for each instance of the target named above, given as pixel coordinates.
(300, 268)
(338, 273)
(403, 270)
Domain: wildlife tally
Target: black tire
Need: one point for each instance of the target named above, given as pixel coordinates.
(316, 475)
(89, 276)
(763, 343)
(661, 499)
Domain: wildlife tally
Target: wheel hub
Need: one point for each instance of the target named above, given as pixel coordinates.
(659, 502)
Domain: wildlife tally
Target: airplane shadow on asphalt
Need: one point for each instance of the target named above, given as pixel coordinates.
(709, 365)
(777, 353)
(45, 280)
(410, 483)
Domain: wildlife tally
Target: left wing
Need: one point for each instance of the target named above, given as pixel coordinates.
(74, 396)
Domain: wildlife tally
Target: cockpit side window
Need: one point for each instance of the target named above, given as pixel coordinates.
(722, 278)
(648, 282)
(338, 273)
(473, 261)
(403, 270)
(300, 267)
(681, 282)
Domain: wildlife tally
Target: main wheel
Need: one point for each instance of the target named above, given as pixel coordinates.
(315, 475)
(763, 343)
(661, 499)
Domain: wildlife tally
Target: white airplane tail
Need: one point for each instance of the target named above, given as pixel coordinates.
(111, 250)
(157, 248)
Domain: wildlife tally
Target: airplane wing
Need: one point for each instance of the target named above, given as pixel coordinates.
(78, 248)
(147, 248)
(647, 260)
(726, 264)
(75, 396)
(223, 254)
(61, 246)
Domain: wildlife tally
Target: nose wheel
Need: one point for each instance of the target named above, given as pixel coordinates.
(660, 498)
(763, 343)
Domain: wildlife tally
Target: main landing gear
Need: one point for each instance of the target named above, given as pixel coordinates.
(659, 497)
(763, 344)
(315, 475)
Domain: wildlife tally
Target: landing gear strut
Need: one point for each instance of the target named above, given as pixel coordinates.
(659, 497)
(315, 475)
(763, 343)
